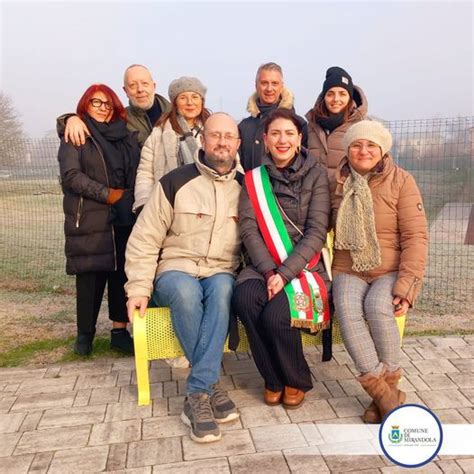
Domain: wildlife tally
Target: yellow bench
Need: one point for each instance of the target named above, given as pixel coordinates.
(154, 338)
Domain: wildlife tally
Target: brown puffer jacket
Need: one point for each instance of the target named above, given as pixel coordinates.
(303, 193)
(400, 224)
(328, 149)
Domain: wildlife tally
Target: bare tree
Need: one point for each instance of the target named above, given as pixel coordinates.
(11, 132)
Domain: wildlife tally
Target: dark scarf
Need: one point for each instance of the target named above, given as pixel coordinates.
(121, 154)
(264, 108)
(154, 112)
(330, 123)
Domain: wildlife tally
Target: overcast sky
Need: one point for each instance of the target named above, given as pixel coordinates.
(412, 59)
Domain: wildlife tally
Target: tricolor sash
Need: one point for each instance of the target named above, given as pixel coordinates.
(307, 293)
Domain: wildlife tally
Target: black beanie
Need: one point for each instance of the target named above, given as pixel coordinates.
(337, 77)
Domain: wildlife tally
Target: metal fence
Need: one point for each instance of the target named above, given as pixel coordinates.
(438, 152)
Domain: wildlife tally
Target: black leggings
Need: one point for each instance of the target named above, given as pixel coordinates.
(90, 288)
(276, 346)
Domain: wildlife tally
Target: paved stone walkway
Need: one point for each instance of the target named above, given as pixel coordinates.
(84, 417)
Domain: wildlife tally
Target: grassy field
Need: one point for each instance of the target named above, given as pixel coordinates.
(31, 236)
(448, 286)
(39, 328)
(439, 187)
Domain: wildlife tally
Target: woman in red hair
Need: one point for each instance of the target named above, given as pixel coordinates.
(98, 180)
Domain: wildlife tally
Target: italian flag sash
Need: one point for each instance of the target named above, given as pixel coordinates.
(307, 293)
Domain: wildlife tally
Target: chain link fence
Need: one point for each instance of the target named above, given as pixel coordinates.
(440, 155)
(438, 152)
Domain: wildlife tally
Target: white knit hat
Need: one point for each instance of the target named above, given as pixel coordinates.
(368, 130)
(186, 84)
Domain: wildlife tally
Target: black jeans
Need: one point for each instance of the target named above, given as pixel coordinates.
(90, 288)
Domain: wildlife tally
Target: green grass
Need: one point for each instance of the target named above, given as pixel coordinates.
(100, 350)
(29, 353)
(437, 332)
(25, 353)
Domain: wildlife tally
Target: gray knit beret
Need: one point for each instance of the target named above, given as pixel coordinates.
(186, 84)
(368, 130)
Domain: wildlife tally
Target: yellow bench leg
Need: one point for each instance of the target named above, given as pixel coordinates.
(401, 325)
(141, 359)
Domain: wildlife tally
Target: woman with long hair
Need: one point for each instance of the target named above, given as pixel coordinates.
(339, 105)
(98, 180)
(283, 216)
(175, 138)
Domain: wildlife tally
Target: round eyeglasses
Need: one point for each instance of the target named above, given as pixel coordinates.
(97, 104)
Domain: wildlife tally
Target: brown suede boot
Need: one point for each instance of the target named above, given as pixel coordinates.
(392, 378)
(372, 414)
(384, 397)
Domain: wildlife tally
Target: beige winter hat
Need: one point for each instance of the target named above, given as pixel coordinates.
(368, 130)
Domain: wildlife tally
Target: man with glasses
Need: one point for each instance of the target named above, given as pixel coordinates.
(270, 93)
(185, 249)
(143, 112)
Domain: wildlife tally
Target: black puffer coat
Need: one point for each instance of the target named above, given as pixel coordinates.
(303, 192)
(90, 243)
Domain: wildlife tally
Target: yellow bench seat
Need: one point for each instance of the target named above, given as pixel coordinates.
(154, 338)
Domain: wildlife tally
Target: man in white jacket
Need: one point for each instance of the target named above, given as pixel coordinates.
(190, 227)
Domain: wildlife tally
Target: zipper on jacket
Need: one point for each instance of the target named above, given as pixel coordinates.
(108, 186)
(256, 138)
(415, 282)
(79, 211)
(213, 221)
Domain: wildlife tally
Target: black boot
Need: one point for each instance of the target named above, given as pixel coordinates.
(121, 340)
(83, 344)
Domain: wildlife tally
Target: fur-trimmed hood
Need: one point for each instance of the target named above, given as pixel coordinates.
(286, 102)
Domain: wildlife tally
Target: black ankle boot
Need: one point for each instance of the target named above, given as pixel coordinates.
(83, 344)
(121, 340)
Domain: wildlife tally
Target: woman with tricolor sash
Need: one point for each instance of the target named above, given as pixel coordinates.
(379, 259)
(284, 217)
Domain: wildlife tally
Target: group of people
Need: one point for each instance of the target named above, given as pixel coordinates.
(169, 204)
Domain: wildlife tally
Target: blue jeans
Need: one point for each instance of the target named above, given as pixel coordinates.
(200, 313)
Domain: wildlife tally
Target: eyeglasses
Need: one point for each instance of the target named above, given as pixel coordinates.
(97, 103)
(371, 147)
(217, 136)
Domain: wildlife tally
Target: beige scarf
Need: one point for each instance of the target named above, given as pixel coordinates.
(355, 224)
